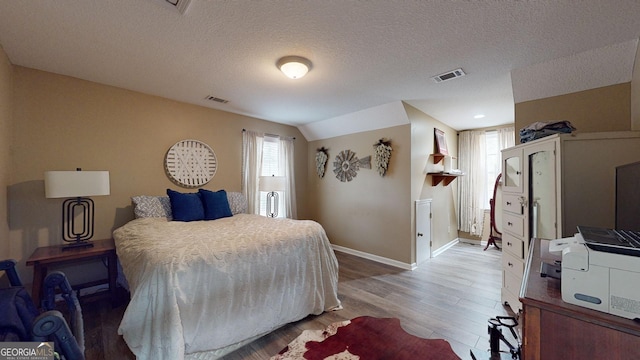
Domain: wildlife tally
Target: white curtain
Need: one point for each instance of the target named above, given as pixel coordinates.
(287, 170)
(506, 138)
(251, 168)
(472, 186)
(252, 164)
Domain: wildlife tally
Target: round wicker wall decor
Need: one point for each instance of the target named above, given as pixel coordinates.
(191, 163)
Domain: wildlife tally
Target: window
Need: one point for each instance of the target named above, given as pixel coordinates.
(479, 157)
(271, 166)
(267, 155)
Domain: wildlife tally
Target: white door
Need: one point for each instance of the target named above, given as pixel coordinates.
(512, 169)
(423, 230)
(542, 191)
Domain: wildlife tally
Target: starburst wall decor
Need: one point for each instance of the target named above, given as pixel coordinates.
(347, 164)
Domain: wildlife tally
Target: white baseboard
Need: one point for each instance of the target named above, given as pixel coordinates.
(376, 258)
(387, 261)
(445, 247)
(473, 242)
(476, 242)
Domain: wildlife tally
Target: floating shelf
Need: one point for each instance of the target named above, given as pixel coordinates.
(442, 177)
(437, 157)
(445, 178)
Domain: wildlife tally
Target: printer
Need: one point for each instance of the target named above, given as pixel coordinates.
(600, 280)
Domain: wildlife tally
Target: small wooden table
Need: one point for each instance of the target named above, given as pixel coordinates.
(46, 256)
(554, 329)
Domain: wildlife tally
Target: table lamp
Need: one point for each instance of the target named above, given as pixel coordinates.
(271, 184)
(76, 186)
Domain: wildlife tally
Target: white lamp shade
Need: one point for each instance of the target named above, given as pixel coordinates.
(272, 183)
(66, 184)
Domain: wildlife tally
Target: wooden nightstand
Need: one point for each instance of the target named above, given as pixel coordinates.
(46, 256)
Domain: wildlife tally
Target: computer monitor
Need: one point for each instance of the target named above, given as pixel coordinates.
(628, 196)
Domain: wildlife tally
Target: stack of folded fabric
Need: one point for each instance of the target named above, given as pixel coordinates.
(541, 129)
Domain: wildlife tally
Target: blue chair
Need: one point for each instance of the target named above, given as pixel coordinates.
(20, 320)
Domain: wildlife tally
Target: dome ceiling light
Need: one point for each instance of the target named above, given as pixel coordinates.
(294, 67)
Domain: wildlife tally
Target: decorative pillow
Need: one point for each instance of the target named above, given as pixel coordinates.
(216, 204)
(151, 206)
(237, 202)
(186, 206)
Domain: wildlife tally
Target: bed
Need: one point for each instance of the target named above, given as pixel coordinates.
(200, 289)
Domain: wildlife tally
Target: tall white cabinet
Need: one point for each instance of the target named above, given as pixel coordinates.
(553, 184)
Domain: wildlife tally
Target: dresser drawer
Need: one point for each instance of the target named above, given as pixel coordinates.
(511, 299)
(511, 203)
(513, 245)
(513, 224)
(512, 264)
(511, 282)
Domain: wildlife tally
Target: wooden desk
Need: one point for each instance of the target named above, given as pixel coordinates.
(46, 256)
(554, 329)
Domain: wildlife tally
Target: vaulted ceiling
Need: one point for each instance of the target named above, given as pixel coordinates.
(364, 53)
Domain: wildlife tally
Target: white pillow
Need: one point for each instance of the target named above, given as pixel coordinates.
(160, 206)
(237, 202)
(152, 206)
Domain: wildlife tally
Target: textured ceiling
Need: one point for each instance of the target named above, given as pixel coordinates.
(364, 53)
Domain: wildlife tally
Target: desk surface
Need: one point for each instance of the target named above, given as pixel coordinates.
(54, 253)
(545, 293)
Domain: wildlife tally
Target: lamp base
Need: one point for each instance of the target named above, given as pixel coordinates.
(77, 245)
(272, 204)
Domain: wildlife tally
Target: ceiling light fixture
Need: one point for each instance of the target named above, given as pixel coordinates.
(479, 116)
(294, 67)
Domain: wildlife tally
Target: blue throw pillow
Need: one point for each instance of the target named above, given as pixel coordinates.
(216, 204)
(186, 206)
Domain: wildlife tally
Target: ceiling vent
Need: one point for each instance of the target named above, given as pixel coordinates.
(449, 75)
(216, 99)
(181, 5)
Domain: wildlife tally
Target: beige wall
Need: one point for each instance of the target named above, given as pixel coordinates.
(444, 223)
(376, 215)
(6, 102)
(61, 123)
(635, 93)
(603, 109)
(371, 213)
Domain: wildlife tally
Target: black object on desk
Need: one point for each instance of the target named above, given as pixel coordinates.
(551, 270)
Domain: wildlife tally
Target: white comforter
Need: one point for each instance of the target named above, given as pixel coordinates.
(207, 285)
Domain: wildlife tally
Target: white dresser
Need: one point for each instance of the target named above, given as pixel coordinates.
(553, 184)
(513, 220)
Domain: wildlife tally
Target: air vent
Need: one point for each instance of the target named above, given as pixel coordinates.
(181, 5)
(216, 99)
(449, 75)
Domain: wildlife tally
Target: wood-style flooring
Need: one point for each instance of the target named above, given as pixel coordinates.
(451, 296)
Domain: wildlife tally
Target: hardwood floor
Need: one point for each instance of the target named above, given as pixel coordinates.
(451, 296)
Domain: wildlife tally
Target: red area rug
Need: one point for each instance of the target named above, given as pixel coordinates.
(365, 338)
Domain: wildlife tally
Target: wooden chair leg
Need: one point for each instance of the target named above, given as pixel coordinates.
(492, 241)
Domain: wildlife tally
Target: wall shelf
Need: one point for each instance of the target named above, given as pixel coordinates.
(437, 157)
(445, 178)
(442, 177)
